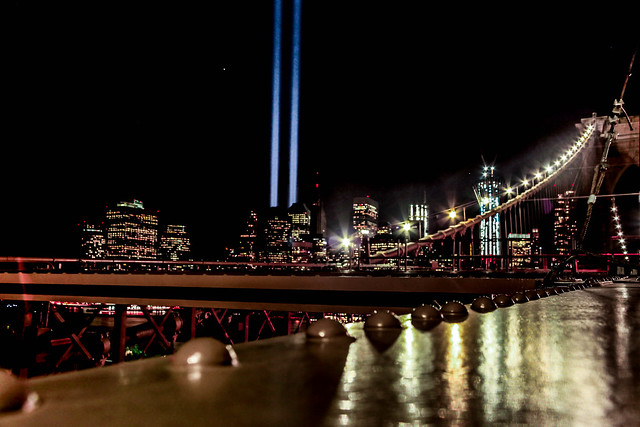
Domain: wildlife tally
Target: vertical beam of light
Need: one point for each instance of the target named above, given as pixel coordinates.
(295, 100)
(275, 105)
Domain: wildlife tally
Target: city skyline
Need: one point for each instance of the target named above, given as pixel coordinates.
(99, 114)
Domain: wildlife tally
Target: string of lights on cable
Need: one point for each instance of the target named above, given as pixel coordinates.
(618, 228)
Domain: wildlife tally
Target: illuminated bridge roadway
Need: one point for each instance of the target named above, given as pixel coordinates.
(566, 359)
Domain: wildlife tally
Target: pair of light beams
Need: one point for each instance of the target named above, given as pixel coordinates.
(276, 98)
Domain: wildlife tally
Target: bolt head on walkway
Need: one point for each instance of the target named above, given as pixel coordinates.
(519, 298)
(503, 300)
(203, 352)
(542, 293)
(382, 320)
(13, 392)
(326, 329)
(454, 311)
(531, 295)
(483, 305)
(426, 312)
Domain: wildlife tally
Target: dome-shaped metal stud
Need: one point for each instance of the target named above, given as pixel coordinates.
(483, 305)
(426, 317)
(519, 298)
(454, 311)
(425, 313)
(13, 392)
(531, 295)
(203, 352)
(541, 293)
(503, 300)
(325, 329)
(382, 320)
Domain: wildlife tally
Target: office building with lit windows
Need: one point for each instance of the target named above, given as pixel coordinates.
(92, 241)
(277, 236)
(131, 232)
(175, 244)
(520, 249)
(488, 195)
(365, 216)
(565, 226)
(300, 216)
(301, 242)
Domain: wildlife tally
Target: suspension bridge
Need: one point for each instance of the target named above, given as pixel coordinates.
(522, 343)
(524, 204)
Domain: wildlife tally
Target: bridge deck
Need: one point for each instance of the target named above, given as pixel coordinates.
(569, 359)
(277, 292)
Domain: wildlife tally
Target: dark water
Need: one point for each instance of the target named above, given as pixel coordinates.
(570, 359)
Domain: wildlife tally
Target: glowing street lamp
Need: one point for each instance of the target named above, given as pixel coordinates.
(452, 214)
(346, 244)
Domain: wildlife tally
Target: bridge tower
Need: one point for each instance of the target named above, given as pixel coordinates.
(622, 177)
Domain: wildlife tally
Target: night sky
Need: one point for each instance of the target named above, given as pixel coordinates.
(170, 103)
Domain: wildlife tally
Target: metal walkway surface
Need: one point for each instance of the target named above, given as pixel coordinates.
(568, 359)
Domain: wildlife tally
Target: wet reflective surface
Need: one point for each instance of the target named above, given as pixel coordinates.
(569, 359)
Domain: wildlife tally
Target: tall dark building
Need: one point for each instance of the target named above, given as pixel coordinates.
(131, 232)
(277, 236)
(175, 244)
(247, 245)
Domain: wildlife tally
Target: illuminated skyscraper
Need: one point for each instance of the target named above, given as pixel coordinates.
(131, 232)
(93, 242)
(488, 195)
(564, 223)
(277, 236)
(175, 244)
(300, 221)
(419, 213)
(301, 243)
(365, 216)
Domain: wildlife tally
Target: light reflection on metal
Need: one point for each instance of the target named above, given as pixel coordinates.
(456, 377)
(489, 368)
(514, 361)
